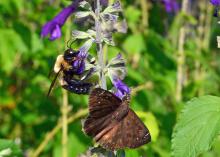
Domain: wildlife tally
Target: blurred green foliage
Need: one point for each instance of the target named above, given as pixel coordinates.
(26, 114)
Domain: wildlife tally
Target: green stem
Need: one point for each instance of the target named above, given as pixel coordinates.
(64, 110)
(181, 55)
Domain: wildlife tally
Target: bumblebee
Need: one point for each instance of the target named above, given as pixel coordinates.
(69, 78)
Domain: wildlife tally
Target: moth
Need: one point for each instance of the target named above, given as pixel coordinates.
(112, 123)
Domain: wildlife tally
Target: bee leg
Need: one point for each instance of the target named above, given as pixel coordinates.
(78, 88)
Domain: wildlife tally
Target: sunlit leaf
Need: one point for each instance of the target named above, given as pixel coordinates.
(134, 44)
(197, 127)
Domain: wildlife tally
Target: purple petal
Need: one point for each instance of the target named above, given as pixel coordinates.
(104, 3)
(83, 53)
(215, 2)
(79, 66)
(46, 29)
(64, 14)
(171, 5)
(56, 33)
(53, 27)
(121, 88)
(119, 56)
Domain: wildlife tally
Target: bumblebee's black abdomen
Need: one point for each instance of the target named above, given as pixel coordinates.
(79, 88)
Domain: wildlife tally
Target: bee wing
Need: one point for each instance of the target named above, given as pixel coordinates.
(53, 82)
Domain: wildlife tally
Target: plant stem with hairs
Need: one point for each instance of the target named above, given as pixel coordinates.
(203, 37)
(208, 23)
(201, 28)
(100, 55)
(99, 45)
(145, 14)
(181, 55)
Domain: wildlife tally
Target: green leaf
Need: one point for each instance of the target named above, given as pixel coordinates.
(134, 44)
(9, 148)
(197, 127)
(136, 14)
(131, 153)
(10, 48)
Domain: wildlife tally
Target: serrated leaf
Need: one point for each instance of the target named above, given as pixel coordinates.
(197, 127)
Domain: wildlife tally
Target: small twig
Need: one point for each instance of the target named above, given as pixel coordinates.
(208, 23)
(181, 55)
(203, 37)
(148, 85)
(64, 111)
(144, 6)
(49, 136)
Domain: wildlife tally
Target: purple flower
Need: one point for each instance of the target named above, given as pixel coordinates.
(79, 63)
(104, 2)
(79, 66)
(215, 2)
(53, 27)
(121, 88)
(171, 5)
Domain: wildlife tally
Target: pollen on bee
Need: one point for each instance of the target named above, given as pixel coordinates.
(58, 63)
(62, 82)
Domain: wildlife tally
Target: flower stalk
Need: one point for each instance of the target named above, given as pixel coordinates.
(64, 110)
(181, 55)
(99, 45)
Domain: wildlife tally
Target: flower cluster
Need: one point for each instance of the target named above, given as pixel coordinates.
(110, 22)
(53, 27)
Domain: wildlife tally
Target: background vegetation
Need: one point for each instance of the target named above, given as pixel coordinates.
(153, 54)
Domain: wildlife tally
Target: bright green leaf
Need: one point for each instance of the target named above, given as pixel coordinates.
(134, 44)
(197, 127)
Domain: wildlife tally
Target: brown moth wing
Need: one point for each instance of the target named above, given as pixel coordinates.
(104, 110)
(129, 133)
(93, 126)
(102, 102)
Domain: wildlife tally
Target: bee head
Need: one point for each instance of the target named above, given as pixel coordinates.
(70, 54)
